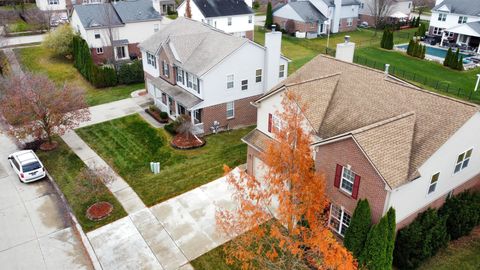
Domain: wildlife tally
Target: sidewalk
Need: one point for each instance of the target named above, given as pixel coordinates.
(22, 40)
(165, 236)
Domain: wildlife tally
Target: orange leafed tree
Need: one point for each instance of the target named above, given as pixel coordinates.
(291, 191)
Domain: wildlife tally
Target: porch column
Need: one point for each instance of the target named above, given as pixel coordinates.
(443, 38)
(458, 38)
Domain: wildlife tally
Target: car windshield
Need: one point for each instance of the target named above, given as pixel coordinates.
(31, 166)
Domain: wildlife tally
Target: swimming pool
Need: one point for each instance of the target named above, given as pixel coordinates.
(438, 52)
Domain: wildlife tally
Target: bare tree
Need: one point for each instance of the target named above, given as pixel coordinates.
(422, 5)
(109, 23)
(34, 107)
(379, 10)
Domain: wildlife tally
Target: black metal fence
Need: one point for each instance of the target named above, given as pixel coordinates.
(416, 78)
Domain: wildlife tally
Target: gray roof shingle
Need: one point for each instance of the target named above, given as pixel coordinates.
(195, 44)
(331, 3)
(465, 7)
(116, 14)
(219, 8)
(307, 11)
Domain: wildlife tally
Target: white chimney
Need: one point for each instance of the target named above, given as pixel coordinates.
(345, 50)
(249, 2)
(336, 16)
(273, 45)
(156, 6)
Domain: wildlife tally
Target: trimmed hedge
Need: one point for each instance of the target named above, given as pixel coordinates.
(82, 61)
(130, 73)
(462, 213)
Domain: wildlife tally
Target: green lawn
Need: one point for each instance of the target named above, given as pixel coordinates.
(129, 144)
(214, 260)
(64, 166)
(61, 70)
(463, 254)
(403, 65)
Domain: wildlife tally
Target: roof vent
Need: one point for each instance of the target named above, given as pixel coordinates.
(273, 27)
(387, 67)
(347, 39)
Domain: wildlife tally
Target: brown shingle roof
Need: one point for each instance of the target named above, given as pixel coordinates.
(257, 139)
(363, 97)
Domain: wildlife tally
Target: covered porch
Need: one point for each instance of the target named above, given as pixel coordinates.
(176, 101)
(466, 37)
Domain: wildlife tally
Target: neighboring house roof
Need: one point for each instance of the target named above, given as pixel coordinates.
(398, 126)
(116, 14)
(219, 8)
(469, 29)
(306, 11)
(465, 7)
(196, 46)
(331, 3)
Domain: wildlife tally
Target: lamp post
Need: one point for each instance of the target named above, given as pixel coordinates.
(328, 34)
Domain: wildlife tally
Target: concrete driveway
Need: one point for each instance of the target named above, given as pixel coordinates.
(35, 231)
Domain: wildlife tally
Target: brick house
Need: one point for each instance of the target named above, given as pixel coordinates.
(193, 68)
(317, 16)
(396, 8)
(235, 17)
(131, 22)
(378, 138)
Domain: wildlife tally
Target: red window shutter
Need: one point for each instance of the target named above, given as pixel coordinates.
(269, 122)
(338, 175)
(356, 185)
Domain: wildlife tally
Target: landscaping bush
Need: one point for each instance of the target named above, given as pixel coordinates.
(420, 240)
(416, 49)
(269, 16)
(103, 76)
(60, 40)
(130, 73)
(462, 213)
(357, 231)
(387, 40)
(164, 115)
(172, 128)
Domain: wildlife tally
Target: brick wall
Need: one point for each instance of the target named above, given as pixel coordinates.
(344, 25)
(171, 77)
(249, 35)
(245, 114)
(107, 53)
(371, 186)
(473, 184)
(299, 26)
(367, 18)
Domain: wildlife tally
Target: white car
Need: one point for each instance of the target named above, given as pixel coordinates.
(27, 166)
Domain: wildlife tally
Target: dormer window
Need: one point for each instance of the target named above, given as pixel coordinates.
(462, 161)
(151, 60)
(462, 19)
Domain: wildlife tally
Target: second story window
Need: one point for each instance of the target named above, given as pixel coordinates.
(180, 76)
(347, 181)
(97, 36)
(230, 83)
(281, 72)
(99, 50)
(442, 17)
(195, 84)
(463, 160)
(462, 19)
(244, 84)
(433, 183)
(250, 19)
(229, 21)
(151, 60)
(258, 75)
(165, 69)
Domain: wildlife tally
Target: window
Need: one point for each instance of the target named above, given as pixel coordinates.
(229, 21)
(244, 84)
(347, 180)
(275, 123)
(349, 22)
(230, 81)
(250, 18)
(437, 31)
(156, 27)
(462, 161)
(339, 219)
(181, 110)
(99, 50)
(196, 84)
(151, 60)
(230, 110)
(164, 98)
(258, 75)
(433, 183)
(281, 72)
(180, 75)
(53, 2)
(97, 36)
(442, 17)
(362, 5)
(120, 52)
(197, 115)
(409, 5)
(165, 69)
(462, 19)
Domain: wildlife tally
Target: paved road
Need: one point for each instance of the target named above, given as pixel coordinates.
(35, 231)
(22, 40)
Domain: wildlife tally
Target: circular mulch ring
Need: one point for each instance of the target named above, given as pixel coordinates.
(99, 210)
(184, 142)
(46, 146)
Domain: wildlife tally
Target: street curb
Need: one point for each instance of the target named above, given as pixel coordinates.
(83, 237)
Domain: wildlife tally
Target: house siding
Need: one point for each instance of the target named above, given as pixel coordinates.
(372, 187)
(171, 77)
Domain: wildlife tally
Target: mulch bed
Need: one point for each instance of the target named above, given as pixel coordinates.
(156, 116)
(99, 210)
(46, 146)
(184, 141)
